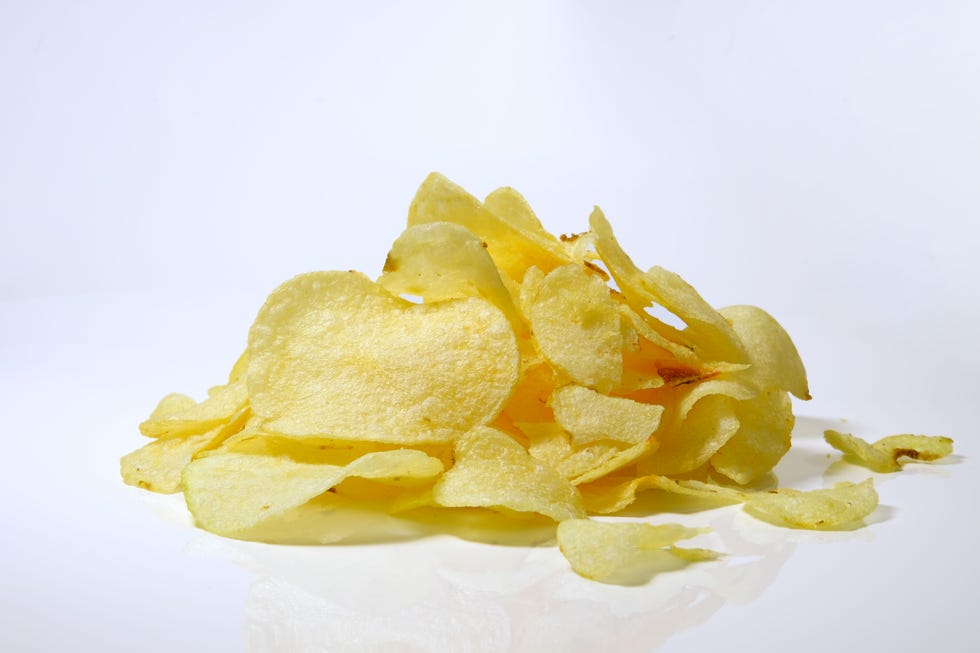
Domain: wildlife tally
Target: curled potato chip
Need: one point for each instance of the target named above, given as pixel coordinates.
(332, 354)
(610, 551)
(887, 454)
(231, 493)
(179, 416)
(576, 324)
(763, 437)
(588, 416)
(157, 466)
(690, 441)
(442, 260)
(494, 471)
(775, 361)
(707, 330)
(514, 248)
(838, 507)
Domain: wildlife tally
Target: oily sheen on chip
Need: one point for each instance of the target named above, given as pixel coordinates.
(530, 385)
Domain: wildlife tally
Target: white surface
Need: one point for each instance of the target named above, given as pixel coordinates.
(162, 170)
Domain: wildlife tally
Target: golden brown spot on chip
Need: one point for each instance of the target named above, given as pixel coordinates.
(391, 264)
(908, 453)
(595, 269)
(569, 238)
(676, 374)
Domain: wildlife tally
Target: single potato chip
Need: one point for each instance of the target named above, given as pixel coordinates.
(494, 471)
(576, 324)
(887, 454)
(707, 330)
(689, 442)
(588, 415)
(178, 417)
(610, 551)
(514, 248)
(332, 354)
(839, 507)
(763, 437)
(775, 361)
(442, 260)
(231, 493)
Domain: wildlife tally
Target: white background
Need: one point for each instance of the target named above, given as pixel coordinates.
(163, 166)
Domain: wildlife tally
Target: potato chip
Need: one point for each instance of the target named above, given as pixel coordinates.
(231, 493)
(157, 466)
(588, 416)
(888, 453)
(763, 437)
(514, 248)
(618, 551)
(707, 330)
(576, 324)
(601, 458)
(442, 260)
(178, 417)
(494, 471)
(332, 354)
(775, 361)
(689, 442)
(839, 507)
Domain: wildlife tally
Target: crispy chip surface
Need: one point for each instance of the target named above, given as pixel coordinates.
(841, 506)
(602, 550)
(333, 354)
(231, 493)
(576, 324)
(494, 471)
(888, 453)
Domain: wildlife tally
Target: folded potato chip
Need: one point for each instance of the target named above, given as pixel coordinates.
(604, 550)
(532, 383)
(888, 453)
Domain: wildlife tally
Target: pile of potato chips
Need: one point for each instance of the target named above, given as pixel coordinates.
(532, 378)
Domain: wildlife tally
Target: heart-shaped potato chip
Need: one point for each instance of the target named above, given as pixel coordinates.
(333, 354)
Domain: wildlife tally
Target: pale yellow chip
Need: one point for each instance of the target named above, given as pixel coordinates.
(157, 466)
(576, 324)
(689, 442)
(888, 454)
(602, 458)
(775, 361)
(712, 336)
(616, 551)
(549, 443)
(494, 471)
(332, 354)
(231, 493)
(588, 415)
(442, 260)
(178, 417)
(763, 437)
(842, 506)
(239, 369)
(511, 207)
(514, 248)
